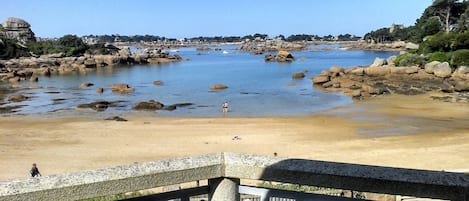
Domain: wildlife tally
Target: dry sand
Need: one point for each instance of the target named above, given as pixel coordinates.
(398, 131)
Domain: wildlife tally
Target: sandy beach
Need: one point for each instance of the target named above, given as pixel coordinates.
(393, 130)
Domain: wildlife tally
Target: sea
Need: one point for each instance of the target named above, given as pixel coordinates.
(255, 88)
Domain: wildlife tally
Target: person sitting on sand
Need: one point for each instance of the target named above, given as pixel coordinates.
(35, 171)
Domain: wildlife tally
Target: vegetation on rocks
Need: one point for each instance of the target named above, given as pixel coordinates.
(70, 45)
(409, 59)
(460, 58)
(442, 16)
(442, 31)
(11, 49)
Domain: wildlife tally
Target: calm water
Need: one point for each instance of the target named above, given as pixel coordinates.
(256, 88)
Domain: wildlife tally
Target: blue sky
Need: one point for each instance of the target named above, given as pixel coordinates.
(191, 18)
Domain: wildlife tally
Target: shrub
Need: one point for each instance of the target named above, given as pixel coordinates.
(43, 47)
(460, 58)
(399, 58)
(438, 56)
(461, 41)
(408, 59)
(440, 42)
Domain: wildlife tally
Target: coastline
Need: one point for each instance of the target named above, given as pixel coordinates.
(438, 141)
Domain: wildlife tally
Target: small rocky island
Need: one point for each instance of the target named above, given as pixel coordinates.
(260, 46)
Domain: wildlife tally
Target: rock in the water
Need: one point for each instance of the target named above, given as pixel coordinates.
(17, 98)
(86, 84)
(283, 56)
(158, 82)
(174, 106)
(298, 75)
(33, 79)
(122, 88)
(98, 105)
(218, 87)
(99, 90)
(321, 79)
(150, 105)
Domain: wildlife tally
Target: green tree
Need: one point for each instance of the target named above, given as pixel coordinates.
(431, 27)
(401, 34)
(463, 22)
(72, 45)
(379, 36)
(448, 11)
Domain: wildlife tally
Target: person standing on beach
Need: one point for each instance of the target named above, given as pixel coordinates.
(35, 171)
(225, 107)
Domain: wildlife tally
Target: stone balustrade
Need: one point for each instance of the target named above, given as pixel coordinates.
(224, 172)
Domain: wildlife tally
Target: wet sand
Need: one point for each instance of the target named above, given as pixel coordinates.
(398, 131)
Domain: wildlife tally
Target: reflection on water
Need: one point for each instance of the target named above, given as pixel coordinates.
(256, 88)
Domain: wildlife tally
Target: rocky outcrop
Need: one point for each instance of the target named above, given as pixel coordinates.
(17, 29)
(461, 73)
(378, 62)
(298, 75)
(282, 56)
(382, 79)
(439, 69)
(260, 46)
(57, 64)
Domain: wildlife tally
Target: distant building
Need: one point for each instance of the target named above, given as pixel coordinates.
(17, 29)
(90, 40)
(117, 39)
(395, 27)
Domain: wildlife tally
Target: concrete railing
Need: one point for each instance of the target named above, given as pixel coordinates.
(224, 171)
